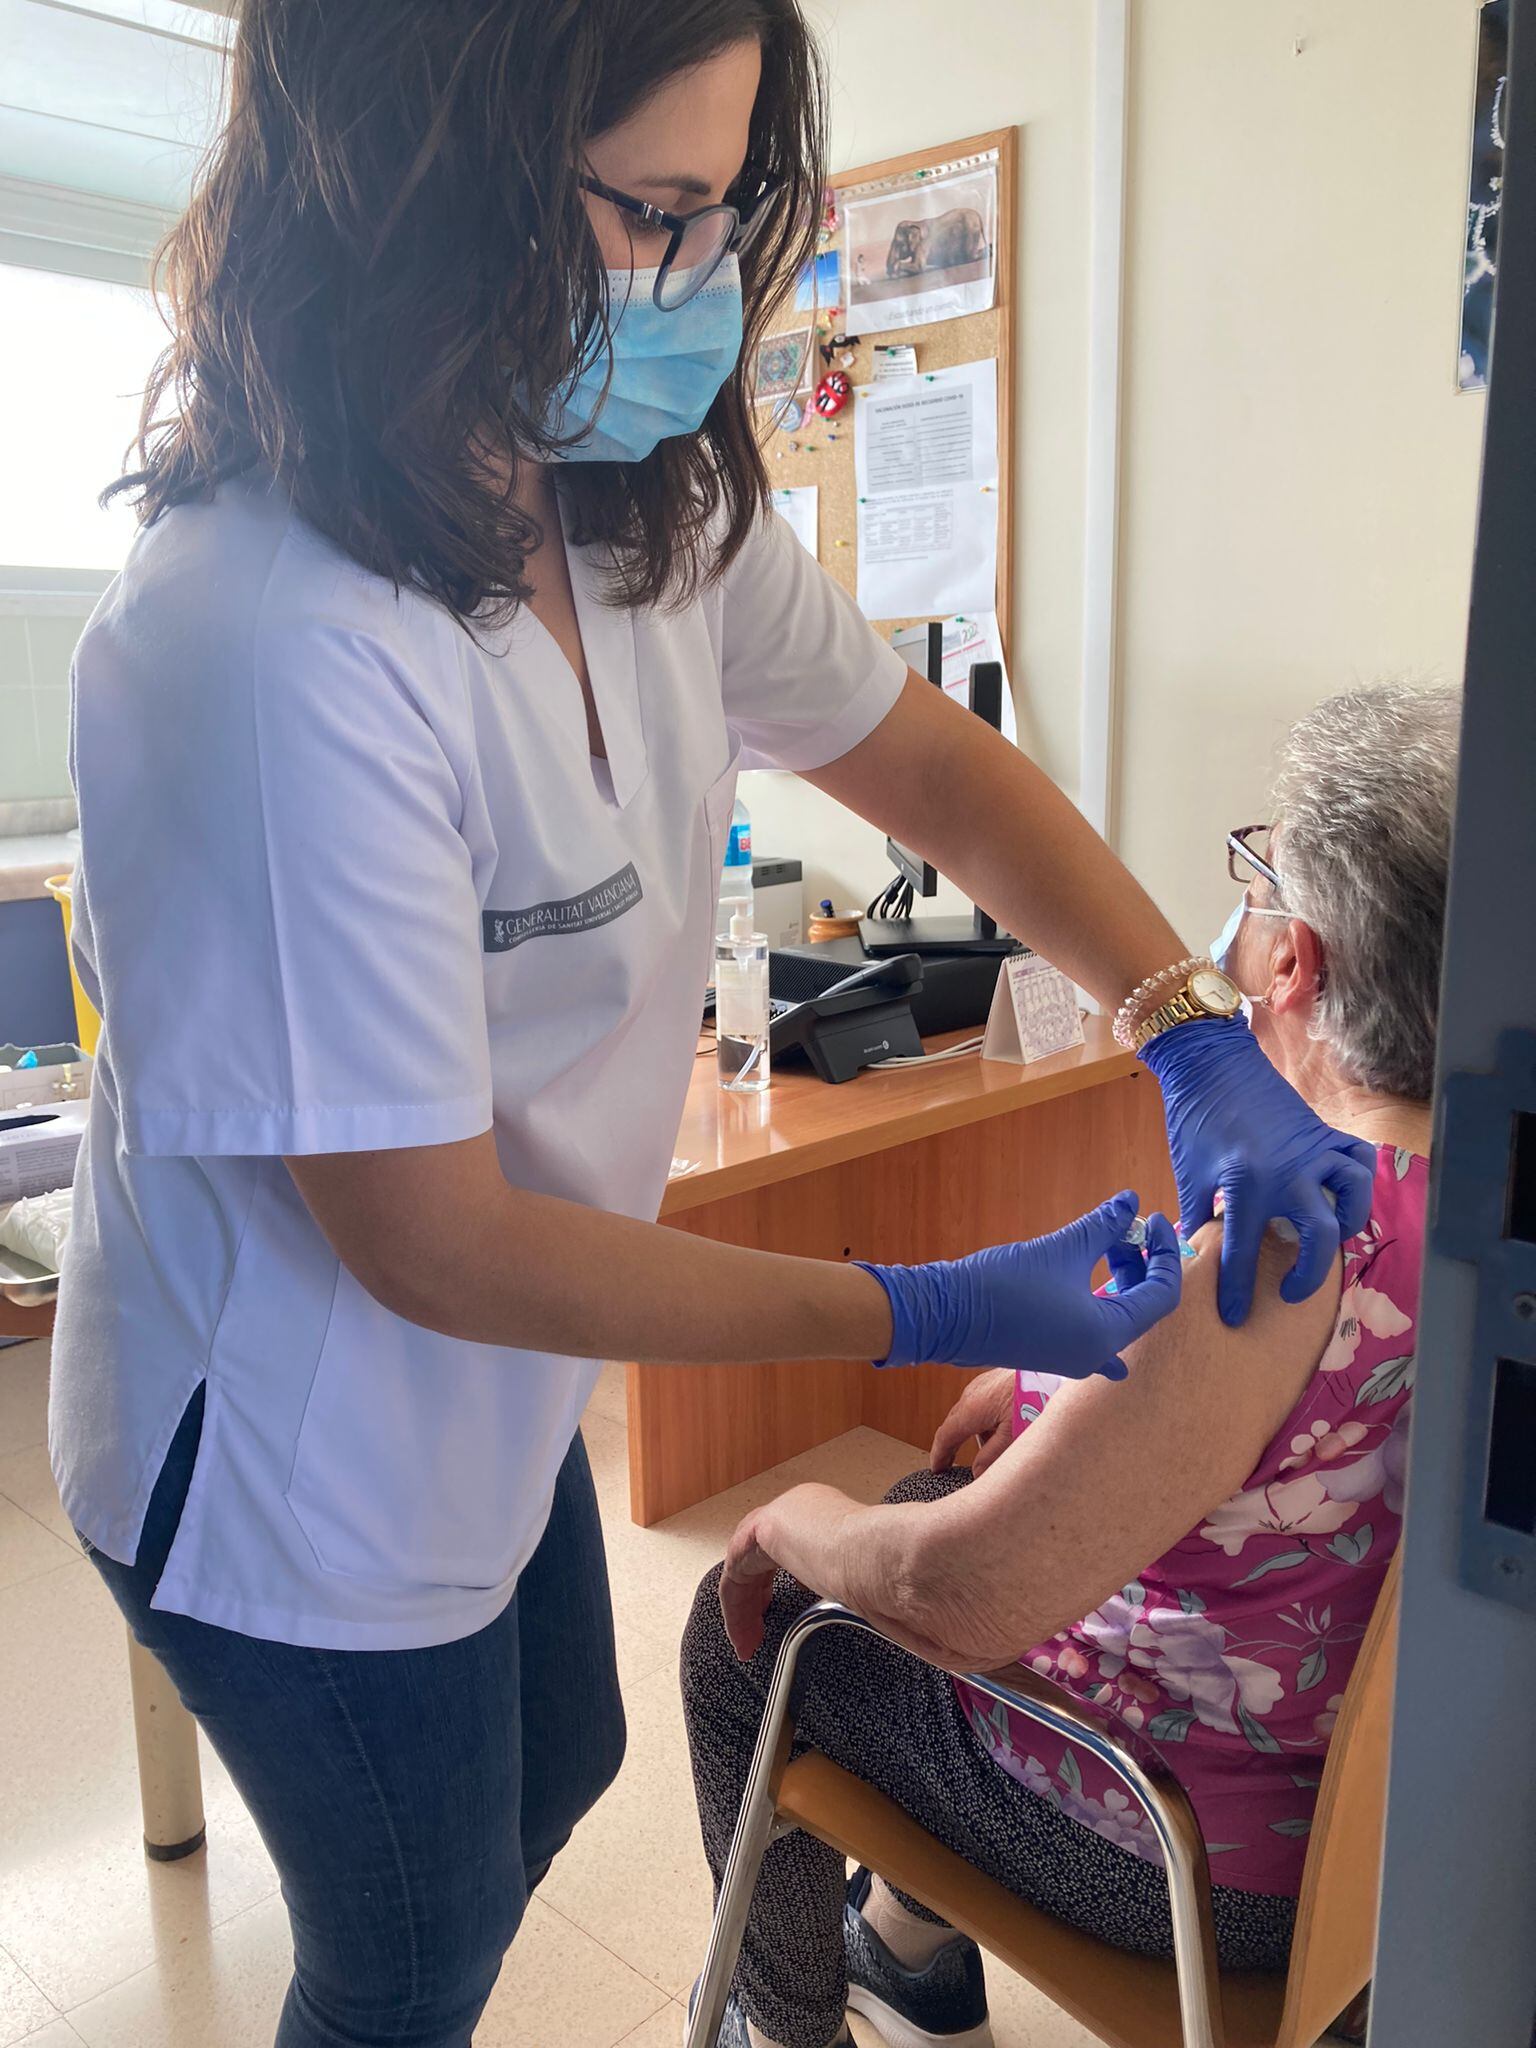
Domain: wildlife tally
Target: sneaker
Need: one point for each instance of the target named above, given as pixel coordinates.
(941, 2006)
(733, 2025)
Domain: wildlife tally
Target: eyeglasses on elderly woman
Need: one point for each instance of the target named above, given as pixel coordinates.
(1245, 863)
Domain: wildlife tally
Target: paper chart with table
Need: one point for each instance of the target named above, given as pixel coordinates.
(925, 460)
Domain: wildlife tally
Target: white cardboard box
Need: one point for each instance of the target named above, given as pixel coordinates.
(38, 1147)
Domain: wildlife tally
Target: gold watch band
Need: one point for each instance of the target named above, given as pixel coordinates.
(1179, 1009)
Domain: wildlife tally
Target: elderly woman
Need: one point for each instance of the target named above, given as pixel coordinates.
(1197, 1549)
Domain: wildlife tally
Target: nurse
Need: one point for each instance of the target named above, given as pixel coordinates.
(405, 747)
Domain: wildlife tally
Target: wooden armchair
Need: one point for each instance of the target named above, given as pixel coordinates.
(1128, 2001)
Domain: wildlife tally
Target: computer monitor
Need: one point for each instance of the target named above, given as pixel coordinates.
(974, 934)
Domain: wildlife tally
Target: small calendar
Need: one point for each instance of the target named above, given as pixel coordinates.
(1034, 1011)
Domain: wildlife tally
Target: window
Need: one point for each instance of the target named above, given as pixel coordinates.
(117, 99)
(75, 354)
(106, 109)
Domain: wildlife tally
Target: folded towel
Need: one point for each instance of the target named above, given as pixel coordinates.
(35, 1227)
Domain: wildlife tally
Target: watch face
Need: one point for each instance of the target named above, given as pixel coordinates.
(1216, 993)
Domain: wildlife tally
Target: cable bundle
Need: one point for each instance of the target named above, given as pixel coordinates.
(894, 901)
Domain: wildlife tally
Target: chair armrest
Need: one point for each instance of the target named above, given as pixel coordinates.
(1133, 1758)
(1136, 1763)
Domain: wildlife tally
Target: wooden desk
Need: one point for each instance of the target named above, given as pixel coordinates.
(901, 1166)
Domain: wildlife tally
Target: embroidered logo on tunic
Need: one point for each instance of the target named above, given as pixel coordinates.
(596, 906)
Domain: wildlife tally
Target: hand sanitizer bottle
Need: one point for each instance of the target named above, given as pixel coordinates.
(741, 1007)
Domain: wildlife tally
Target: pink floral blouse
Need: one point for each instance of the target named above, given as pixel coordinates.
(1232, 1652)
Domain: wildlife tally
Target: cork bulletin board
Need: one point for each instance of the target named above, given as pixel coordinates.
(818, 451)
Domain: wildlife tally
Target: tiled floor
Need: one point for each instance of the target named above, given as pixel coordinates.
(99, 1948)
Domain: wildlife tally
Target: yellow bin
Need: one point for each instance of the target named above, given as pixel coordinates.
(87, 1023)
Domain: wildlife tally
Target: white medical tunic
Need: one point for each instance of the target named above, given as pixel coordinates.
(351, 881)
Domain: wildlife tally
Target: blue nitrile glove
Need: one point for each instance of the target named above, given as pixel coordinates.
(1032, 1306)
(1236, 1124)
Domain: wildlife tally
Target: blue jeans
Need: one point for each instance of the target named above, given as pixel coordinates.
(411, 1799)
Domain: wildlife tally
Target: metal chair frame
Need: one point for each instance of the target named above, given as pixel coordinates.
(1154, 1786)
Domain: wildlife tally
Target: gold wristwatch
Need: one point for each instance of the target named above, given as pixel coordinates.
(1207, 993)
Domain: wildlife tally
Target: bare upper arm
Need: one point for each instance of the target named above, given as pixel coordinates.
(389, 1216)
(1114, 1474)
(887, 776)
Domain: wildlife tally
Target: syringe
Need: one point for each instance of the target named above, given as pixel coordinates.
(1136, 1238)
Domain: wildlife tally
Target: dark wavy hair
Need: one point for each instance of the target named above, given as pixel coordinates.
(387, 268)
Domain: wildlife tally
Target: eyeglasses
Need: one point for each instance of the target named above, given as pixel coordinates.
(699, 242)
(1240, 850)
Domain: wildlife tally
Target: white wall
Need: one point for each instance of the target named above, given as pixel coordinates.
(1299, 472)
(907, 76)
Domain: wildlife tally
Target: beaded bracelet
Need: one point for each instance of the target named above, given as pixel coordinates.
(1130, 1011)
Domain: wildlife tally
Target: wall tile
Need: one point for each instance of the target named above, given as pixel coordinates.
(51, 711)
(53, 646)
(15, 663)
(21, 768)
(35, 652)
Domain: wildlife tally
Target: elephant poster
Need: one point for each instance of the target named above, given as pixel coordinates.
(920, 249)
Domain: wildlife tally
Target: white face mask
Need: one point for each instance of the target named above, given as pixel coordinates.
(1226, 939)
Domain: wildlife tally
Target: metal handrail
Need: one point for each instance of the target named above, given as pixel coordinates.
(1154, 1786)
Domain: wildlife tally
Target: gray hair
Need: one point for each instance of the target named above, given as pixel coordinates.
(1363, 804)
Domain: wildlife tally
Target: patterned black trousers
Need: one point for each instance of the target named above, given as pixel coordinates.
(898, 1724)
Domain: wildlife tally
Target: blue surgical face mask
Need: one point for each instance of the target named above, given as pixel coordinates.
(667, 368)
(1226, 939)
